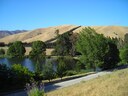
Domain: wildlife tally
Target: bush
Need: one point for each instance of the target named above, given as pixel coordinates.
(38, 76)
(79, 66)
(21, 74)
(124, 55)
(61, 68)
(70, 73)
(70, 62)
(85, 71)
(14, 77)
(5, 76)
(48, 71)
(35, 90)
(2, 51)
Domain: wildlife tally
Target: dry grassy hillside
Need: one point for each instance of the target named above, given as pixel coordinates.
(45, 34)
(115, 84)
(109, 31)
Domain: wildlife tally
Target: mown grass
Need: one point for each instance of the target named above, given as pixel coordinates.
(115, 84)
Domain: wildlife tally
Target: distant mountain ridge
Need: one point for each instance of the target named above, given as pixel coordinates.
(4, 33)
(46, 34)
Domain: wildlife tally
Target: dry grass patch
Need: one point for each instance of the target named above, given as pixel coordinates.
(28, 49)
(115, 84)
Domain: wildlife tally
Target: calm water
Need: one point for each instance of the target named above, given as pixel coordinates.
(28, 63)
(25, 62)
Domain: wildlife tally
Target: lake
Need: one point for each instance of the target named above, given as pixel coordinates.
(28, 63)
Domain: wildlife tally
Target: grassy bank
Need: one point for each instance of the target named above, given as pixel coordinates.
(65, 78)
(115, 84)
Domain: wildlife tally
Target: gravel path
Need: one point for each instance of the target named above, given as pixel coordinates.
(63, 84)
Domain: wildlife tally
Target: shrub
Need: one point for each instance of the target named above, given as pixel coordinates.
(34, 89)
(5, 76)
(70, 62)
(21, 74)
(38, 76)
(124, 55)
(48, 71)
(79, 66)
(61, 68)
(14, 77)
(70, 73)
(2, 51)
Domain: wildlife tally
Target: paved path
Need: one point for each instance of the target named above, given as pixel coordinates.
(63, 84)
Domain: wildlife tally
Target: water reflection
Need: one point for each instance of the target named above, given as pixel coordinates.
(5, 61)
(28, 63)
(25, 62)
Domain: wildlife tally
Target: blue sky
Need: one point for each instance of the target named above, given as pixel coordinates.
(32, 14)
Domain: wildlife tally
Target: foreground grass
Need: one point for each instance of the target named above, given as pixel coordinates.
(115, 84)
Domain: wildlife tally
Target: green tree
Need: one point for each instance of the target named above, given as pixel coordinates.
(61, 68)
(124, 54)
(38, 55)
(21, 74)
(48, 71)
(15, 76)
(38, 68)
(79, 66)
(95, 48)
(38, 50)
(63, 44)
(73, 38)
(2, 51)
(16, 49)
(112, 56)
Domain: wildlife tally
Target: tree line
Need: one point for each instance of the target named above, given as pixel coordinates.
(94, 50)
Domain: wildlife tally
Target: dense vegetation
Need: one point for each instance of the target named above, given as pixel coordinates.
(124, 54)
(16, 49)
(2, 52)
(38, 50)
(65, 44)
(38, 55)
(48, 72)
(15, 77)
(97, 50)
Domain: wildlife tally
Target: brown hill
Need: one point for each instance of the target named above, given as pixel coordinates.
(45, 34)
(4, 33)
